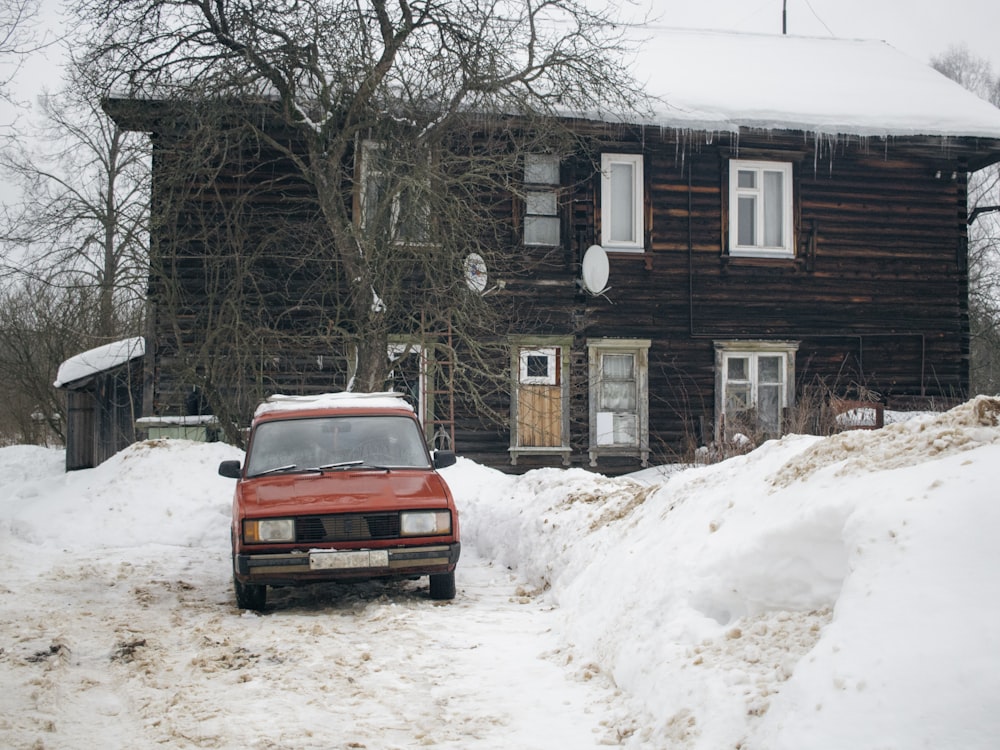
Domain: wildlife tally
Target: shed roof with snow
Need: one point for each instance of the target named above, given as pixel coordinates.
(99, 359)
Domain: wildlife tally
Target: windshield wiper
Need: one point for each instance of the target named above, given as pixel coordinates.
(340, 465)
(291, 469)
(359, 463)
(275, 470)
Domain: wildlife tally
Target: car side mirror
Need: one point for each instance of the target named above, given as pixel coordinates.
(443, 459)
(230, 469)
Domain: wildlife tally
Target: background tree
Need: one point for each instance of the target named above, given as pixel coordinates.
(82, 217)
(73, 244)
(41, 326)
(976, 74)
(18, 39)
(397, 115)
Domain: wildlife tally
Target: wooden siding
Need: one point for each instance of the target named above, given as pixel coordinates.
(876, 294)
(101, 412)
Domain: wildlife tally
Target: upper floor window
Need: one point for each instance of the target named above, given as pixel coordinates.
(760, 208)
(622, 202)
(393, 196)
(541, 217)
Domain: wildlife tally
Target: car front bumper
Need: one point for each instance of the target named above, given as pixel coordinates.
(290, 568)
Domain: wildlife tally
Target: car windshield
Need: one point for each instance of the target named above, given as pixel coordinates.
(331, 443)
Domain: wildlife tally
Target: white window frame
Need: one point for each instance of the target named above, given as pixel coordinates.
(636, 241)
(753, 350)
(551, 355)
(602, 420)
(758, 248)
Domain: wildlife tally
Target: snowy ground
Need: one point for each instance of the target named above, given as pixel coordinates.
(816, 593)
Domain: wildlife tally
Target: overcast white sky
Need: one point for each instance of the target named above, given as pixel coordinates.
(919, 28)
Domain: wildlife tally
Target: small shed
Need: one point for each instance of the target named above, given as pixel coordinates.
(103, 398)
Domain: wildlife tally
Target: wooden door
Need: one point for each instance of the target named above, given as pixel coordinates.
(539, 416)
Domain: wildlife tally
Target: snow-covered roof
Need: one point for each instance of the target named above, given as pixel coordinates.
(722, 81)
(99, 359)
(384, 400)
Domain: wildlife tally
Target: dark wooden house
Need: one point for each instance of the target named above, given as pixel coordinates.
(790, 219)
(103, 400)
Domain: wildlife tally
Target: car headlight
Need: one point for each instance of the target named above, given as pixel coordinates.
(425, 523)
(269, 530)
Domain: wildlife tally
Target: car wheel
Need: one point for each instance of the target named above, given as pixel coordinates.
(443, 586)
(249, 595)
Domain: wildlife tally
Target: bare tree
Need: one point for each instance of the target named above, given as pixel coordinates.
(41, 326)
(82, 216)
(73, 250)
(18, 39)
(395, 114)
(976, 74)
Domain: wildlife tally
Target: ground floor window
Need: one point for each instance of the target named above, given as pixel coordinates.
(619, 398)
(409, 376)
(754, 385)
(540, 402)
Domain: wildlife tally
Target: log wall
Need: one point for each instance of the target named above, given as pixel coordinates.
(876, 294)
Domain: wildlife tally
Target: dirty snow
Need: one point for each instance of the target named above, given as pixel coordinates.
(821, 593)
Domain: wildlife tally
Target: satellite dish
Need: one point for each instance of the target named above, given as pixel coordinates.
(595, 270)
(475, 272)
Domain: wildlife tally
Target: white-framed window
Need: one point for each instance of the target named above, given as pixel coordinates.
(754, 384)
(392, 198)
(622, 202)
(541, 199)
(760, 208)
(619, 398)
(539, 366)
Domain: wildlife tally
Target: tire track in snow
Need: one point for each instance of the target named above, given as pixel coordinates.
(153, 653)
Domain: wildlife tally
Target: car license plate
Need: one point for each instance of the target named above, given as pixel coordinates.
(348, 559)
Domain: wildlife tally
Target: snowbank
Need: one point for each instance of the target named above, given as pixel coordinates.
(821, 593)
(815, 593)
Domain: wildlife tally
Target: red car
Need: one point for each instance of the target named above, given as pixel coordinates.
(340, 487)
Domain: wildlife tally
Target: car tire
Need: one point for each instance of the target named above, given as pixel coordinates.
(443, 585)
(249, 595)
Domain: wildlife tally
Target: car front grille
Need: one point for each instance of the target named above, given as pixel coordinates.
(347, 527)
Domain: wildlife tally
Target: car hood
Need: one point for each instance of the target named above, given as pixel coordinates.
(344, 491)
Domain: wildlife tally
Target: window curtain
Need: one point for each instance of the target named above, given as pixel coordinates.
(773, 206)
(618, 382)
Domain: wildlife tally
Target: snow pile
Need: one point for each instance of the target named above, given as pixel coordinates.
(967, 426)
(815, 593)
(156, 492)
(839, 588)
